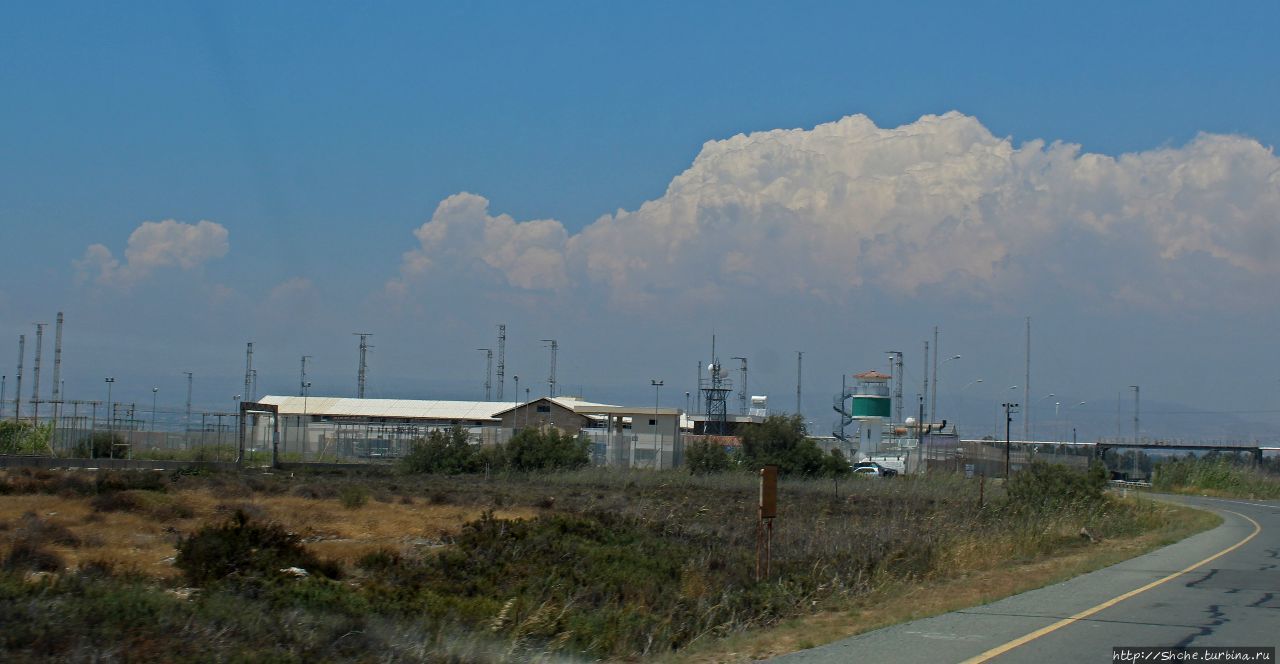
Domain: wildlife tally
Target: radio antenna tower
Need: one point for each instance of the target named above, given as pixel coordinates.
(488, 372)
(551, 381)
(363, 373)
(742, 389)
(248, 372)
(502, 357)
(35, 374)
(57, 366)
(714, 391)
(895, 372)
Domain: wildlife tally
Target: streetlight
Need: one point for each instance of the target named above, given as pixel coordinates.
(110, 417)
(937, 382)
(1047, 396)
(657, 437)
(154, 391)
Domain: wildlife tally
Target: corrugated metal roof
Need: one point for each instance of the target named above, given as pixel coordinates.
(418, 409)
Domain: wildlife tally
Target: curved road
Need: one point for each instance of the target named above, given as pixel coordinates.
(1232, 599)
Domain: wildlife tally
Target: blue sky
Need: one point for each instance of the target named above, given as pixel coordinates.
(320, 136)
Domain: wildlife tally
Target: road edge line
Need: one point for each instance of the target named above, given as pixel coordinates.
(1006, 647)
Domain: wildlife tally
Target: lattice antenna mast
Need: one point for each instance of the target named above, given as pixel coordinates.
(502, 357)
(551, 381)
(715, 390)
(488, 372)
(248, 372)
(57, 364)
(302, 376)
(35, 373)
(742, 389)
(363, 373)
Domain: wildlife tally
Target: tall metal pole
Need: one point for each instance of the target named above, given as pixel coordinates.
(362, 374)
(488, 372)
(57, 368)
(551, 380)
(657, 458)
(186, 423)
(925, 390)
(895, 372)
(1136, 394)
(1009, 409)
(248, 372)
(502, 358)
(35, 375)
(4, 383)
(111, 416)
(799, 382)
(742, 389)
(17, 391)
(933, 398)
(1026, 389)
(302, 376)
(154, 392)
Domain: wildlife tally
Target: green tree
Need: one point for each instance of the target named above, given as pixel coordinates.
(781, 441)
(705, 456)
(22, 437)
(1046, 485)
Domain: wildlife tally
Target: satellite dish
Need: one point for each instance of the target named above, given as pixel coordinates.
(713, 368)
(911, 421)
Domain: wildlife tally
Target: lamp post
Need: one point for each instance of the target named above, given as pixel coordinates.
(111, 451)
(657, 437)
(933, 407)
(1047, 396)
(154, 392)
(515, 418)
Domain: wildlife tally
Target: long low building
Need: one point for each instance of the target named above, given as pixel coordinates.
(343, 427)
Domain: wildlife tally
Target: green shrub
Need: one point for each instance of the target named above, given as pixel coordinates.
(22, 437)
(1046, 485)
(445, 452)
(353, 496)
(706, 456)
(99, 445)
(549, 449)
(244, 548)
(1216, 474)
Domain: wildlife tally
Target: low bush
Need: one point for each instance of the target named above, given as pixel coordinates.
(245, 548)
(706, 456)
(1049, 485)
(159, 506)
(1221, 476)
(100, 445)
(26, 556)
(353, 496)
(445, 452)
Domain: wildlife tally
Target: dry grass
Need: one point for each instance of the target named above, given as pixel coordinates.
(976, 581)
(139, 542)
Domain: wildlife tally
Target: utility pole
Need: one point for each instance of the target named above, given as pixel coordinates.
(551, 380)
(502, 359)
(488, 372)
(1009, 410)
(57, 368)
(4, 383)
(742, 388)
(302, 377)
(362, 374)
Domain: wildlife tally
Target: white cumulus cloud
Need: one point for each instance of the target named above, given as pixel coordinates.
(940, 202)
(153, 245)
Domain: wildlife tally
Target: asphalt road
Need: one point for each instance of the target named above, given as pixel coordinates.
(1231, 600)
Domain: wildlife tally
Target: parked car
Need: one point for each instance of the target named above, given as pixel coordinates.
(872, 469)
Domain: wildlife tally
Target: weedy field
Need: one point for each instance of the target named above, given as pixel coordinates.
(587, 565)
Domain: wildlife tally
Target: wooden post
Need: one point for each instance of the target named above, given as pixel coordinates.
(768, 509)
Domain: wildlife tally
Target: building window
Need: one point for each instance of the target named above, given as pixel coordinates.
(544, 408)
(653, 422)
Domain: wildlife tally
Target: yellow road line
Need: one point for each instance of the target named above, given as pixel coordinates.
(1002, 649)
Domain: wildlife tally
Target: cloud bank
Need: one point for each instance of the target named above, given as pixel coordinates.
(153, 245)
(938, 203)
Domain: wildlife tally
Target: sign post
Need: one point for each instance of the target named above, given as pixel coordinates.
(768, 509)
